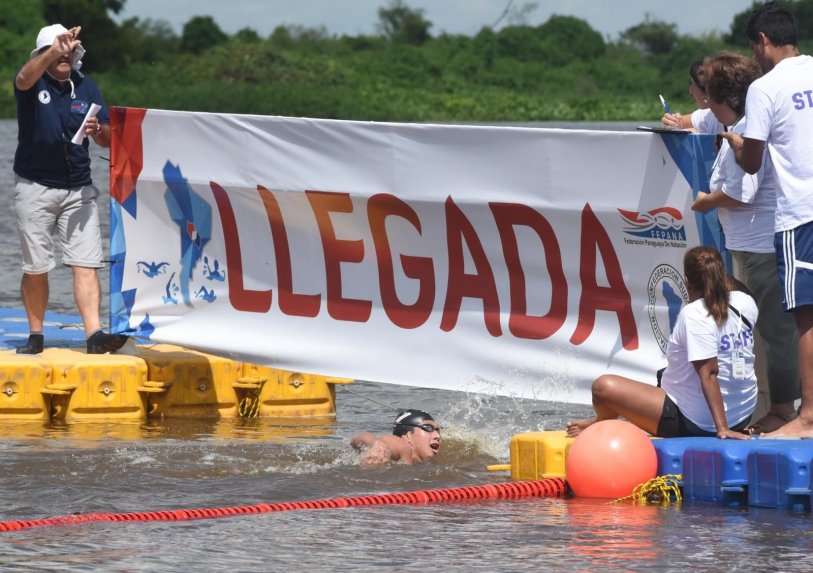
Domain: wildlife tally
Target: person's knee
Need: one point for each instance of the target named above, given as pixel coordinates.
(804, 319)
(603, 386)
(84, 274)
(34, 281)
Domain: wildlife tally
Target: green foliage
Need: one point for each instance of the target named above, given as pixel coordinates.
(571, 39)
(19, 24)
(802, 11)
(201, 33)
(736, 36)
(402, 24)
(557, 42)
(559, 70)
(147, 40)
(247, 35)
(651, 36)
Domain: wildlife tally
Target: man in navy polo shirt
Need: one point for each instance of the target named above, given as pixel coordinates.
(54, 193)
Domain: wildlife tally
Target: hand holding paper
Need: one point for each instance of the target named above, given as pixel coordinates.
(80, 133)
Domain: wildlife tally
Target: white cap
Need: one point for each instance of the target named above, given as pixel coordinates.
(48, 35)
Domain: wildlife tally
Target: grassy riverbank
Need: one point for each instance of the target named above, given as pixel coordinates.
(561, 70)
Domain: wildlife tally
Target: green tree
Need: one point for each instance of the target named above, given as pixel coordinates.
(148, 40)
(570, 38)
(651, 36)
(802, 11)
(247, 35)
(520, 43)
(485, 46)
(400, 23)
(557, 42)
(674, 66)
(19, 23)
(201, 33)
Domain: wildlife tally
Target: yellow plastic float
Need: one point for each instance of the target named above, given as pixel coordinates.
(162, 381)
(537, 455)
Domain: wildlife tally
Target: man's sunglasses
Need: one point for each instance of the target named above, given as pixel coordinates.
(428, 428)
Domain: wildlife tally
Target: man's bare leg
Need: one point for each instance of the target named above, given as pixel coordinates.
(87, 293)
(34, 292)
(802, 426)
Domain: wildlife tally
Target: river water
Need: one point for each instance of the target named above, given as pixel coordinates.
(48, 470)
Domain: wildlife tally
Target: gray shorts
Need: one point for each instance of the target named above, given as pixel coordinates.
(69, 213)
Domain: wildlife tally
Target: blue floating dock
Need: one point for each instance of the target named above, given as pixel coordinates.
(60, 330)
(758, 472)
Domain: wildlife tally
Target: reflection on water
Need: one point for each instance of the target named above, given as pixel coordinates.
(49, 469)
(86, 434)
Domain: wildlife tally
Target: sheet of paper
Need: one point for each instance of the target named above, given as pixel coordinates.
(80, 133)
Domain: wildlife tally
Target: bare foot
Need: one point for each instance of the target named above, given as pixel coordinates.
(771, 422)
(798, 427)
(576, 427)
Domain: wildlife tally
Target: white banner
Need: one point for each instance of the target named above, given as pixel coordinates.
(517, 261)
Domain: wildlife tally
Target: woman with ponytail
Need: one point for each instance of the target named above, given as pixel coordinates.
(709, 387)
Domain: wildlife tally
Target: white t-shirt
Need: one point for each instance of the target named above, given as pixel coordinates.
(749, 227)
(697, 337)
(779, 108)
(706, 122)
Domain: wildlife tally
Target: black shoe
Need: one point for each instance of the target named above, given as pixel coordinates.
(33, 346)
(101, 342)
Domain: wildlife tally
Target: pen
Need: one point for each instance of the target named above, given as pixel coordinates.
(665, 105)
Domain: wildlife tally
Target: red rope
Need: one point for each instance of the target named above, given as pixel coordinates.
(551, 487)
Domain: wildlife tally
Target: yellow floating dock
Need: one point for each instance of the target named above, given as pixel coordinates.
(539, 455)
(160, 381)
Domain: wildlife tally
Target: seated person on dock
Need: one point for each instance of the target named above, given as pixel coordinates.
(709, 387)
(415, 438)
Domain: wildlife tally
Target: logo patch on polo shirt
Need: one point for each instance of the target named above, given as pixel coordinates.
(79, 106)
(44, 97)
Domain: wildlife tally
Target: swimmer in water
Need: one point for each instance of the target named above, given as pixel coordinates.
(415, 438)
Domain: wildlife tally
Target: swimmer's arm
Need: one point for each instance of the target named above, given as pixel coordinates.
(379, 453)
(708, 201)
(363, 441)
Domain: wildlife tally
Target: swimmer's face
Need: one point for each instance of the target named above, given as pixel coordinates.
(425, 439)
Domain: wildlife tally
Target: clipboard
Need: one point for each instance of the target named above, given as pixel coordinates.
(661, 129)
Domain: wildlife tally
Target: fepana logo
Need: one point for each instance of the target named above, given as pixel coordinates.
(44, 97)
(665, 223)
(667, 294)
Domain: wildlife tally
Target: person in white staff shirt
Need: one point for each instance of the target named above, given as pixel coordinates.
(779, 116)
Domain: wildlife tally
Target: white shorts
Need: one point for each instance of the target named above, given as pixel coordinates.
(70, 213)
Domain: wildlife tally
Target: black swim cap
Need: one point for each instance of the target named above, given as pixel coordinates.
(406, 421)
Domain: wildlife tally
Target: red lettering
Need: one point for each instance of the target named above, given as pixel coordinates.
(379, 207)
(290, 303)
(239, 297)
(520, 324)
(480, 285)
(337, 251)
(615, 297)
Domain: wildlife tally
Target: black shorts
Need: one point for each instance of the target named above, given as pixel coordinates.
(673, 424)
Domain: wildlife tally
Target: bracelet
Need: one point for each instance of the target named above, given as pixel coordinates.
(98, 128)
